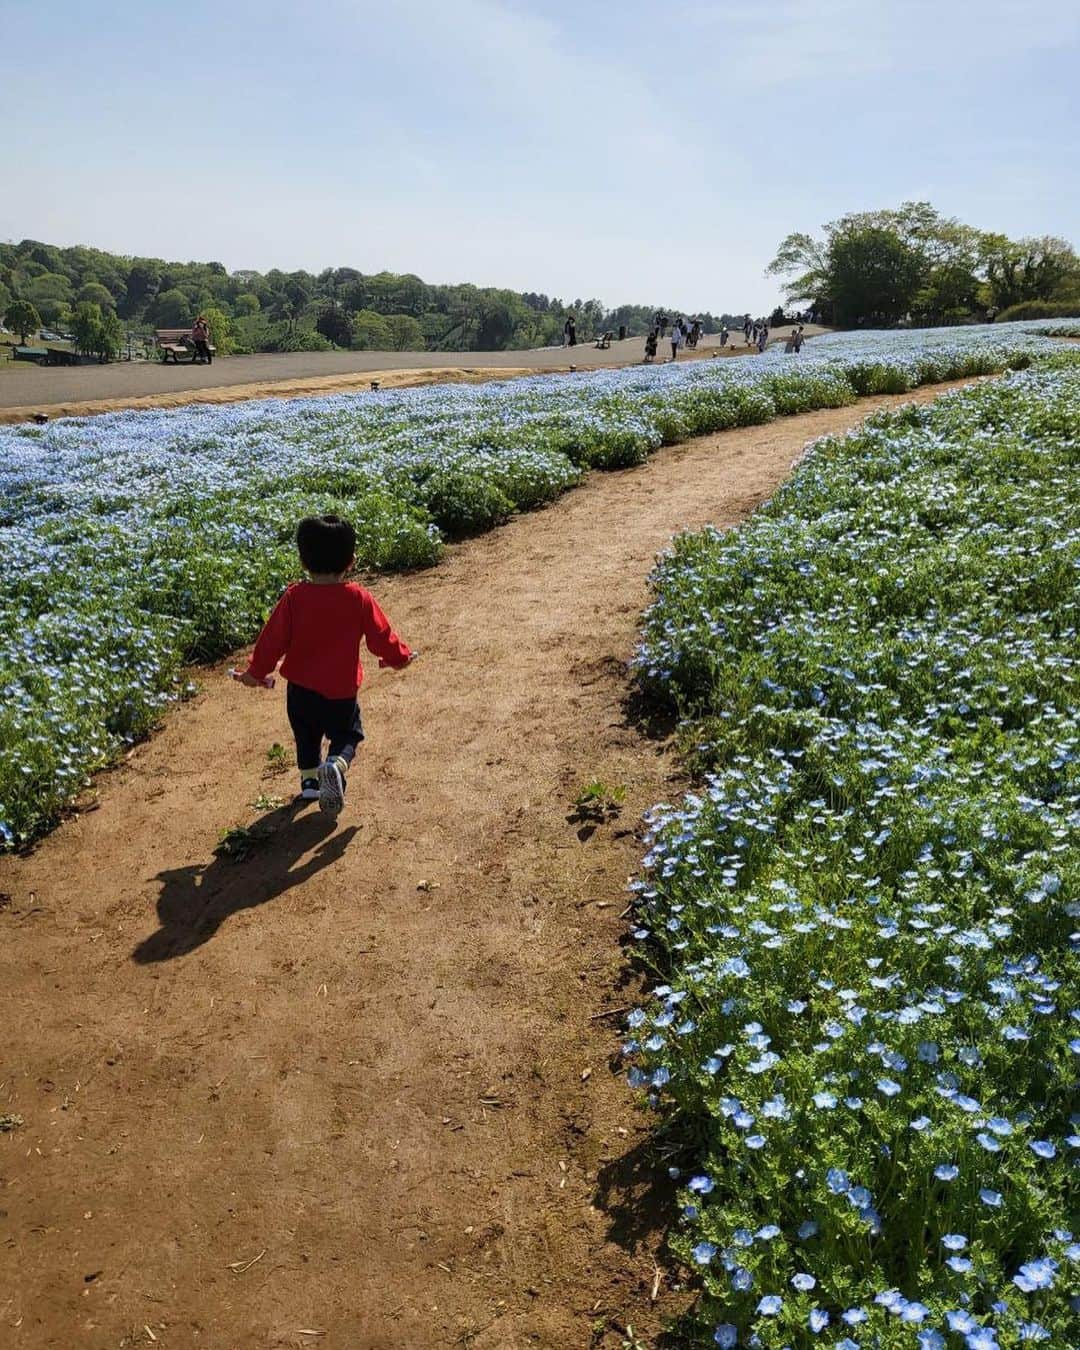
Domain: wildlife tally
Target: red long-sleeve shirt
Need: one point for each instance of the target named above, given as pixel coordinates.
(318, 629)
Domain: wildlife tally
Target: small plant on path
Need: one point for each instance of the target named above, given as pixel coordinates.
(599, 801)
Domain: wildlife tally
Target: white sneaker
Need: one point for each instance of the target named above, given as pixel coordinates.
(331, 787)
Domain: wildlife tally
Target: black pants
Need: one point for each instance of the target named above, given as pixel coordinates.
(312, 716)
(202, 352)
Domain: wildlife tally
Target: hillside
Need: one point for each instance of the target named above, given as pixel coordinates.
(299, 311)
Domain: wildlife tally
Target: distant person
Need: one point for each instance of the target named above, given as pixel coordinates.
(747, 328)
(570, 331)
(317, 626)
(724, 335)
(762, 338)
(799, 338)
(200, 337)
(650, 344)
(676, 339)
(662, 323)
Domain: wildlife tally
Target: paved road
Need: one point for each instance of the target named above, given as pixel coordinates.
(24, 385)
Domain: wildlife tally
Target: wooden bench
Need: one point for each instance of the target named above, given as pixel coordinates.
(176, 344)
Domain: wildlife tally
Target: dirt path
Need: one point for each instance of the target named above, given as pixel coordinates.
(358, 1084)
(86, 390)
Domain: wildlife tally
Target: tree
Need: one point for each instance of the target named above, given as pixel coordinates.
(172, 309)
(874, 276)
(220, 329)
(50, 294)
(245, 304)
(96, 294)
(22, 318)
(370, 332)
(86, 328)
(406, 335)
(334, 324)
(1028, 269)
(110, 336)
(805, 262)
(5, 298)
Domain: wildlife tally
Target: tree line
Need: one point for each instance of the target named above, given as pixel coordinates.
(78, 287)
(911, 264)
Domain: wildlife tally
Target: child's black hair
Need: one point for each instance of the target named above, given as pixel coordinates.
(327, 544)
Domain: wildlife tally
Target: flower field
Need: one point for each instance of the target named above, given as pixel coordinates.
(133, 543)
(866, 919)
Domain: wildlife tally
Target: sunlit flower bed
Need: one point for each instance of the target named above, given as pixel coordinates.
(866, 919)
(134, 542)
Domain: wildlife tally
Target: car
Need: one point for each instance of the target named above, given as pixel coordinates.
(47, 335)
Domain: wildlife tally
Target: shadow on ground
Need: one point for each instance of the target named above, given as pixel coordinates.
(249, 868)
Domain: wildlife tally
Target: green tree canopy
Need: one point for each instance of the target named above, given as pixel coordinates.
(173, 309)
(87, 328)
(22, 318)
(911, 260)
(97, 294)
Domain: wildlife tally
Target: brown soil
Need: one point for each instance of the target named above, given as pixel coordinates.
(357, 1091)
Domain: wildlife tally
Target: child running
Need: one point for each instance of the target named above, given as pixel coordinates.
(317, 626)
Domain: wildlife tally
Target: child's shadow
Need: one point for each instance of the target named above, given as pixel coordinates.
(195, 901)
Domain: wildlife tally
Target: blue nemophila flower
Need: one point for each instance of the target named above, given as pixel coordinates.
(855, 1316)
(929, 1339)
(989, 1197)
(703, 1253)
(702, 1184)
(960, 1264)
(818, 1320)
(1035, 1275)
(954, 1242)
(837, 1181)
(726, 1335)
(770, 1305)
(946, 1171)
(1042, 1148)
(741, 1279)
(803, 1282)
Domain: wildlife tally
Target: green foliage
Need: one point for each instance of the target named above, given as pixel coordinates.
(462, 502)
(1041, 309)
(386, 311)
(864, 1033)
(874, 274)
(599, 801)
(173, 309)
(22, 318)
(406, 334)
(881, 267)
(370, 331)
(86, 327)
(335, 325)
(220, 326)
(96, 294)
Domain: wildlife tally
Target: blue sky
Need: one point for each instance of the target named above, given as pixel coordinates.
(629, 150)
